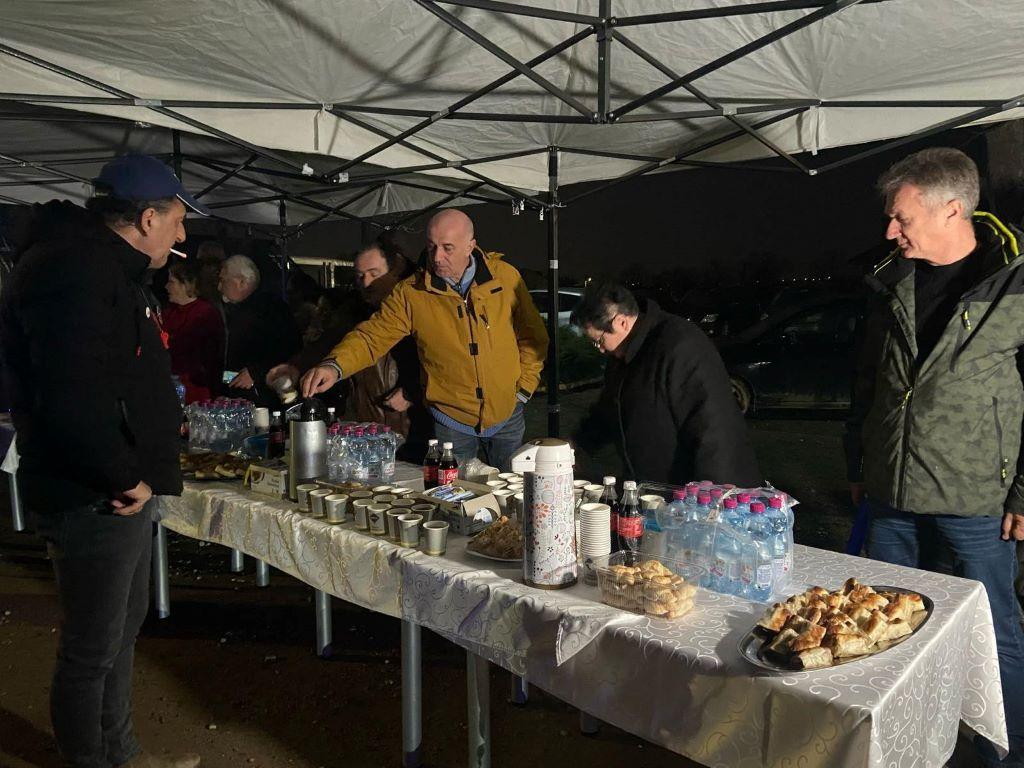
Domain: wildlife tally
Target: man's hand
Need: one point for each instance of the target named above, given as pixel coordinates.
(396, 401)
(1013, 527)
(279, 371)
(242, 380)
(856, 493)
(132, 501)
(318, 379)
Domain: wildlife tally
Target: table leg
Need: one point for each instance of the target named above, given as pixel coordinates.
(262, 574)
(323, 623)
(520, 690)
(412, 695)
(589, 725)
(161, 584)
(237, 561)
(17, 514)
(478, 697)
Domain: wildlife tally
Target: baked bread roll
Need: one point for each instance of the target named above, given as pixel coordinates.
(782, 642)
(774, 618)
(897, 628)
(813, 658)
(845, 645)
(811, 638)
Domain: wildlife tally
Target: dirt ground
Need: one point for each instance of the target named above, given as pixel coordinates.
(232, 673)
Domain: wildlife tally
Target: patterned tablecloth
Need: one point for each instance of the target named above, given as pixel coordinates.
(681, 684)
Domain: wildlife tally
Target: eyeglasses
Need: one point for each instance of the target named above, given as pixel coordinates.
(599, 341)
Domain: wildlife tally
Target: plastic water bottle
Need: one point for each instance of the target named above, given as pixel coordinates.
(728, 553)
(671, 518)
(782, 542)
(389, 443)
(696, 534)
(759, 586)
(360, 461)
(373, 451)
(742, 510)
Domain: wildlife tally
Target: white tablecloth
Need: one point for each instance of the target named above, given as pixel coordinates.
(681, 684)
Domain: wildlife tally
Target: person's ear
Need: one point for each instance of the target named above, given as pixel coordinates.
(954, 210)
(147, 220)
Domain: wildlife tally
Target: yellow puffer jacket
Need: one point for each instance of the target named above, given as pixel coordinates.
(475, 353)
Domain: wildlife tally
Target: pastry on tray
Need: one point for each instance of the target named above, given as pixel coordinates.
(502, 539)
(818, 628)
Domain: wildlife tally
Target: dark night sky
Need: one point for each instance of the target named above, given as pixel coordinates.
(711, 221)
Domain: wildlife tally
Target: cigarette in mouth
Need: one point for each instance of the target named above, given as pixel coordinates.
(179, 253)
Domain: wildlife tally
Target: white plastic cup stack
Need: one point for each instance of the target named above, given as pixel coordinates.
(594, 533)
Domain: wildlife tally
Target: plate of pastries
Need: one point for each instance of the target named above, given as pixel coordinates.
(213, 466)
(819, 628)
(501, 541)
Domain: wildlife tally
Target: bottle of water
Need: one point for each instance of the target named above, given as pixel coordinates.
(782, 543)
(333, 454)
(360, 460)
(758, 583)
(670, 519)
(389, 443)
(696, 536)
(742, 510)
(373, 451)
(726, 562)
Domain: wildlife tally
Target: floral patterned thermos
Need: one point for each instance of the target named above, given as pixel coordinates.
(549, 527)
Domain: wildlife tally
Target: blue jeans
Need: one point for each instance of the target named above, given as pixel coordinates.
(497, 449)
(101, 561)
(978, 553)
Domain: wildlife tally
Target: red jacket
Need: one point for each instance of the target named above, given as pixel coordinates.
(197, 347)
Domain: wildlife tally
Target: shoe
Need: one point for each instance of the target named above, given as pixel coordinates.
(147, 760)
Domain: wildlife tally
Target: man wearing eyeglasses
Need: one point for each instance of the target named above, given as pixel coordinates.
(666, 394)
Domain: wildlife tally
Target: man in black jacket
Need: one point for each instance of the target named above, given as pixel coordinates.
(666, 394)
(97, 419)
(260, 330)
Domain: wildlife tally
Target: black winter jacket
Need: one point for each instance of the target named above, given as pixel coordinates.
(88, 375)
(670, 408)
(260, 334)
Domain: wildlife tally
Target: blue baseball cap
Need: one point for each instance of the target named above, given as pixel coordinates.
(141, 177)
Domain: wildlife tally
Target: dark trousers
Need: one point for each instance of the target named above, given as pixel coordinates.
(978, 553)
(101, 561)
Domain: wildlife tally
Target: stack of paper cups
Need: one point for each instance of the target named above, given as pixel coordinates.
(594, 532)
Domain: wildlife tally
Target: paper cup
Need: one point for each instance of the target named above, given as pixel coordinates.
(337, 507)
(261, 419)
(405, 504)
(508, 477)
(496, 485)
(384, 498)
(651, 502)
(581, 484)
(317, 507)
(410, 529)
(359, 508)
(435, 537)
(515, 505)
(394, 527)
(399, 491)
(378, 489)
(302, 494)
(592, 492)
(427, 510)
(356, 495)
(376, 516)
(503, 497)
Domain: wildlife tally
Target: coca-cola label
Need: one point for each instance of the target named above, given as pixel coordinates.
(446, 476)
(631, 527)
(429, 475)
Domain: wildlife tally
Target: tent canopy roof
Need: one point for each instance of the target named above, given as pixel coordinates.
(323, 83)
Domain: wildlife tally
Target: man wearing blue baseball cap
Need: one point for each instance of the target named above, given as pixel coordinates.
(97, 418)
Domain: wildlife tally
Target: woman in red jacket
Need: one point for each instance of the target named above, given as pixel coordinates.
(196, 333)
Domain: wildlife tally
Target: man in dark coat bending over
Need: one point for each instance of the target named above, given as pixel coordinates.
(666, 398)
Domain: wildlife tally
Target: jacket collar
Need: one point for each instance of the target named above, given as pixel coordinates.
(134, 262)
(483, 274)
(650, 316)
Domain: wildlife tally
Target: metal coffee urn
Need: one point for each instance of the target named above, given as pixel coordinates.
(549, 513)
(307, 457)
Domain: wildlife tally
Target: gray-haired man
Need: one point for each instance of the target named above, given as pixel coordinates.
(934, 438)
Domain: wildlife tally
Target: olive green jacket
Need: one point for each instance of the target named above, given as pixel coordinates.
(944, 437)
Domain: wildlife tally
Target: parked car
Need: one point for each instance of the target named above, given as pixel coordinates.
(567, 300)
(800, 358)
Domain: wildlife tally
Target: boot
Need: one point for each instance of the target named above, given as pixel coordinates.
(148, 760)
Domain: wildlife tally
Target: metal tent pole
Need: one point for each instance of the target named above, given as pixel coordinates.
(553, 375)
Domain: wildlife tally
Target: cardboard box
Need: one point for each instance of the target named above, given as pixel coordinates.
(268, 478)
(462, 515)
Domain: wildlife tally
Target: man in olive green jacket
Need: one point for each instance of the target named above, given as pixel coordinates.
(934, 438)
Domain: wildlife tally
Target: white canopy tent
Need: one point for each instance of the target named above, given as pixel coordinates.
(488, 100)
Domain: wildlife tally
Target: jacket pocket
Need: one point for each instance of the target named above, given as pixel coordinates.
(999, 441)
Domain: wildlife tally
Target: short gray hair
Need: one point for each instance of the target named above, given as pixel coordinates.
(243, 267)
(942, 174)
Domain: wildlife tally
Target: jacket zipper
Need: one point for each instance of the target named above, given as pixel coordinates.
(476, 364)
(622, 431)
(999, 440)
(905, 407)
(965, 327)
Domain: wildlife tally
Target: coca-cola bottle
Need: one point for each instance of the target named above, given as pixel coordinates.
(275, 444)
(448, 469)
(430, 462)
(631, 522)
(332, 417)
(611, 498)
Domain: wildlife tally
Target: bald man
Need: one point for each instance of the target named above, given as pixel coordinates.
(480, 339)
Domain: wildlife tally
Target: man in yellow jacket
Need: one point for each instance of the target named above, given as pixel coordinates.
(480, 339)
